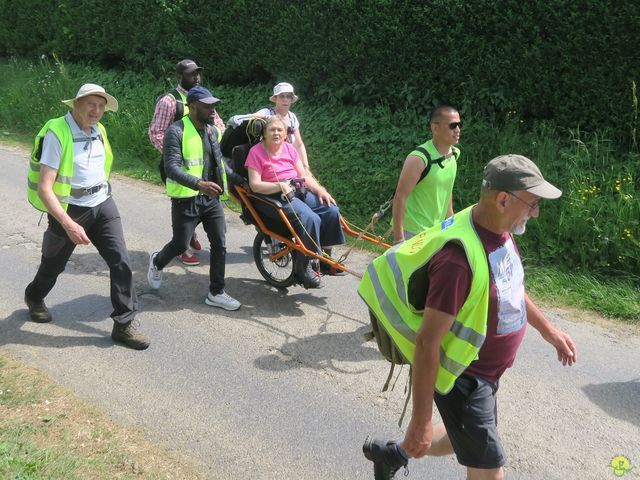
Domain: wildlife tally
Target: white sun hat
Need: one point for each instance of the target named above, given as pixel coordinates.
(283, 87)
(93, 89)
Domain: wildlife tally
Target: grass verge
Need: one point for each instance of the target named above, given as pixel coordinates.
(48, 433)
(612, 298)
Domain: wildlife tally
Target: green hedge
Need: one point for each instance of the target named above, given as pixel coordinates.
(357, 152)
(571, 62)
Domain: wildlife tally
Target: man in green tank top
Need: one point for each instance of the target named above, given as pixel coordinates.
(423, 195)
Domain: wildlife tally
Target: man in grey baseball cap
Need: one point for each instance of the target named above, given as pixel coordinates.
(514, 172)
(473, 323)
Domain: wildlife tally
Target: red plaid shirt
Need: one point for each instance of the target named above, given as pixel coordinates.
(163, 117)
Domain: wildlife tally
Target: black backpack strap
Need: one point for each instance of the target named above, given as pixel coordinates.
(427, 167)
(179, 104)
(430, 161)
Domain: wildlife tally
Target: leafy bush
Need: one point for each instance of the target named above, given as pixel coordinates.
(570, 62)
(357, 152)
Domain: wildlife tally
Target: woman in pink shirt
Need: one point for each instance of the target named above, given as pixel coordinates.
(275, 170)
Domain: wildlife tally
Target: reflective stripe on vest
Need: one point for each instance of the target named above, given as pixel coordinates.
(193, 162)
(385, 290)
(62, 184)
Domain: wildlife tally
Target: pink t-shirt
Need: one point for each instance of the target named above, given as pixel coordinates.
(449, 284)
(273, 168)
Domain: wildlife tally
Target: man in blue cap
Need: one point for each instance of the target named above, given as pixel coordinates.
(197, 184)
(170, 108)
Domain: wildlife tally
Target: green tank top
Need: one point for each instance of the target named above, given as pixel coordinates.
(428, 202)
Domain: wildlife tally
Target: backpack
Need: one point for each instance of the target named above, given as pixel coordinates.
(241, 130)
(178, 115)
(392, 354)
(417, 295)
(179, 104)
(455, 153)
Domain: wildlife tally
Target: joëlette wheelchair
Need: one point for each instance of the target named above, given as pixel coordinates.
(276, 242)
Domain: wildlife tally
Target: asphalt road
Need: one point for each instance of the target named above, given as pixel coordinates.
(286, 388)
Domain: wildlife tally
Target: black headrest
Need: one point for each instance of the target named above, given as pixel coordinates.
(247, 131)
(239, 156)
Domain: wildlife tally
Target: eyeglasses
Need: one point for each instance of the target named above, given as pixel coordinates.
(532, 206)
(454, 125)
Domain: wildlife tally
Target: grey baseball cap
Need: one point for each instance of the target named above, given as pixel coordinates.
(509, 173)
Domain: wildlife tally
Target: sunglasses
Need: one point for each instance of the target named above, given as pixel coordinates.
(454, 125)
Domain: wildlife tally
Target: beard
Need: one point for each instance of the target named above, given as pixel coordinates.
(521, 227)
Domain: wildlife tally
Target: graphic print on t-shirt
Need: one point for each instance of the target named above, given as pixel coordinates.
(509, 279)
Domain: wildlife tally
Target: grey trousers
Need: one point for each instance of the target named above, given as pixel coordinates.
(104, 228)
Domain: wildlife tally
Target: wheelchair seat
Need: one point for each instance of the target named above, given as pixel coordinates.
(238, 157)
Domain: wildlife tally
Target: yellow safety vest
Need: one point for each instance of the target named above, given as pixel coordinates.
(62, 184)
(394, 289)
(193, 162)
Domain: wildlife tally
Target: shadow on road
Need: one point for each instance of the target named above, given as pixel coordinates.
(185, 289)
(617, 399)
(320, 352)
(75, 316)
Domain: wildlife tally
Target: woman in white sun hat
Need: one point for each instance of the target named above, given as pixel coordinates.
(283, 97)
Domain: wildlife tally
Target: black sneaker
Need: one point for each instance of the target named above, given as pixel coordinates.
(38, 311)
(129, 335)
(387, 458)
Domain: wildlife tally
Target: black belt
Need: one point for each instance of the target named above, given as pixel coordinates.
(83, 192)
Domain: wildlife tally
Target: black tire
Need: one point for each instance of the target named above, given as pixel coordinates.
(278, 273)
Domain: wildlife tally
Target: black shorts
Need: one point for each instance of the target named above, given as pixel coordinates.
(469, 413)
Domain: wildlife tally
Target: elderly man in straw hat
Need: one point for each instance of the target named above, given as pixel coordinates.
(69, 180)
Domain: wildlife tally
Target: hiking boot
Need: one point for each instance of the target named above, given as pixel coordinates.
(189, 258)
(310, 278)
(222, 300)
(195, 243)
(387, 457)
(154, 276)
(305, 273)
(38, 311)
(129, 335)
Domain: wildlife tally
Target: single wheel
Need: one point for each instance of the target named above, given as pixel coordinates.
(278, 273)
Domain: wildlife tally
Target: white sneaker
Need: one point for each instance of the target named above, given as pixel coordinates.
(222, 300)
(154, 276)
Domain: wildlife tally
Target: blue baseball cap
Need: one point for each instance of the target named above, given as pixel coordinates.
(201, 94)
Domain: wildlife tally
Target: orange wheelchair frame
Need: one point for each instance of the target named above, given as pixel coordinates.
(273, 250)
